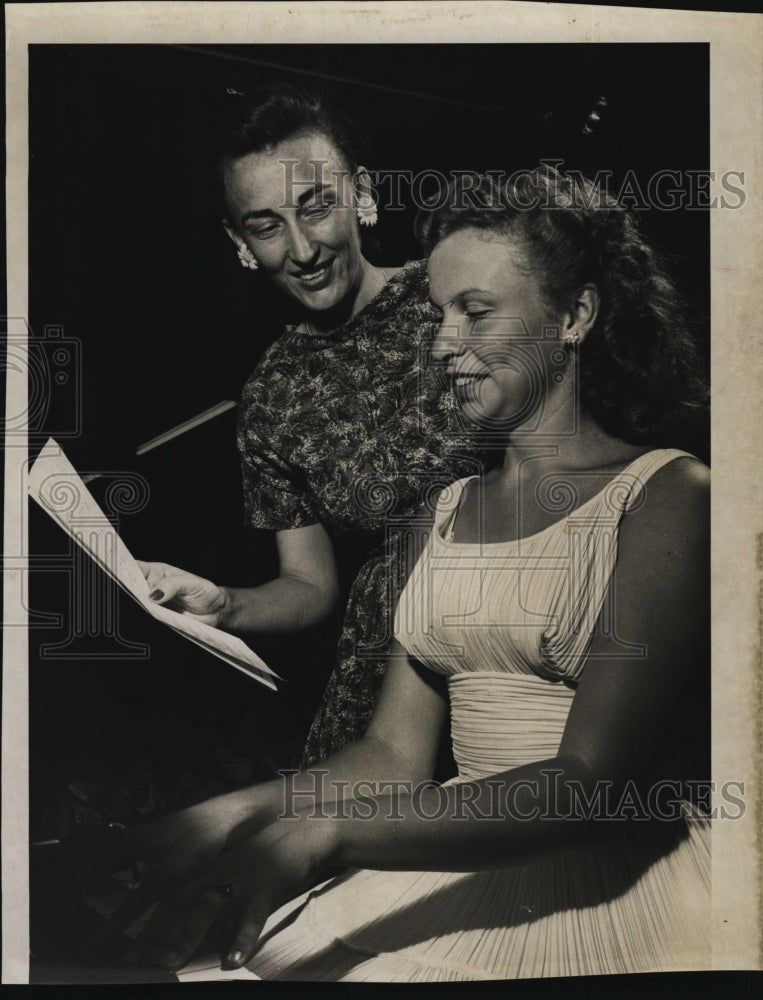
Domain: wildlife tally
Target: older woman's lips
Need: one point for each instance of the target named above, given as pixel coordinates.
(317, 278)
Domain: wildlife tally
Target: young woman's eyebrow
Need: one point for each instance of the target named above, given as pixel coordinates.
(474, 291)
(461, 296)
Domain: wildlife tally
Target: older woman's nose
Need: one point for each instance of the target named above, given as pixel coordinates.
(302, 250)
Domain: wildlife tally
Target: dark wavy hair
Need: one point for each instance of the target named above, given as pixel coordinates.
(266, 116)
(641, 374)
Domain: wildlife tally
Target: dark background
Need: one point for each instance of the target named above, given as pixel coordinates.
(128, 257)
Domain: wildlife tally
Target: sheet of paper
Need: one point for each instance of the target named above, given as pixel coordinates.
(57, 487)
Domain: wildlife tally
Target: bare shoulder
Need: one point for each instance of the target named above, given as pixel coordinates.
(680, 485)
(674, 507)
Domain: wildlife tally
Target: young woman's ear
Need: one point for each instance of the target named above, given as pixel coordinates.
(582, 315)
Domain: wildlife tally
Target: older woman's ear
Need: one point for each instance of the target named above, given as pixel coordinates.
(583, 314)
(232, 234)
(365, 202)
(361, 181)
(245, 256)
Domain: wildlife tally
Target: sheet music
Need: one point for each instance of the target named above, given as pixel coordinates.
(57, 487)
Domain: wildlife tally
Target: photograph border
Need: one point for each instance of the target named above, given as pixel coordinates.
(736, 361)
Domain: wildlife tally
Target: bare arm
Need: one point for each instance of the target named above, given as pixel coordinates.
(400, 746)
(303, 594)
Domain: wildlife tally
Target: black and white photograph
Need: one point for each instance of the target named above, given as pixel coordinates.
(380, 588)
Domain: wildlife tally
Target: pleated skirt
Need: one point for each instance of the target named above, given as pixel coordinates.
(637, 903)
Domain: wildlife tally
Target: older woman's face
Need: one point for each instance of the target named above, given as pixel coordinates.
(496, 338)
(293, 207)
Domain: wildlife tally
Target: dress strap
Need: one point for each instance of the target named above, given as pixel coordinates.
(447, 508)
(633, 478)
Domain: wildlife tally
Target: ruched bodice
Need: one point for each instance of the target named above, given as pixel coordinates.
(528, 712)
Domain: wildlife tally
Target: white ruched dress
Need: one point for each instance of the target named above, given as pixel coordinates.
(510, 623)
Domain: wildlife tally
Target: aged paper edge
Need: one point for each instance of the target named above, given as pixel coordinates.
(736, 111)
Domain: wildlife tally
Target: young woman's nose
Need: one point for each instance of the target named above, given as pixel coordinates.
(447, 344)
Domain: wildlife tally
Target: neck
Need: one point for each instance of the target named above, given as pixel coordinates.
(370, 282)
(550, 439)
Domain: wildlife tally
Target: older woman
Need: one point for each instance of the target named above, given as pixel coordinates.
(341, 426)
(559, 614)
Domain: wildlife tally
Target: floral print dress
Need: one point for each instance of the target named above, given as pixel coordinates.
(354, 429)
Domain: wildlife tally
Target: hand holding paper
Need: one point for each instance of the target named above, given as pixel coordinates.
(189, 594)
(55, 485)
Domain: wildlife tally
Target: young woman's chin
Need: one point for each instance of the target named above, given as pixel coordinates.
(495, 411)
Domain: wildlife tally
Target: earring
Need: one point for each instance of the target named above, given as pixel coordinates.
(573, 339)
(366, 210)
(246, 257)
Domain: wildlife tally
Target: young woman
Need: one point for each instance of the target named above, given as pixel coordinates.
(558, 618)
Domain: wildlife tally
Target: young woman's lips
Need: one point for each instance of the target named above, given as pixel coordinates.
(317, 278)
(466, 384)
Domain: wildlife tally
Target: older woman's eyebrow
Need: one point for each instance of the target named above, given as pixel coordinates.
(311, 192)
(260, 213)
(314, 190)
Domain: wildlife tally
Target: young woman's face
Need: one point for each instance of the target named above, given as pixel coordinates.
(496, 337)
(293, 206)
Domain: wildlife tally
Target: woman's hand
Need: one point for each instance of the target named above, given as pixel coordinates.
(248, 881)
(180, 845)
(303, 594)
(184, 592)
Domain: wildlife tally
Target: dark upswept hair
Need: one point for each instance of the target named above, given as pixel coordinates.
(641, 375)
(268, 115)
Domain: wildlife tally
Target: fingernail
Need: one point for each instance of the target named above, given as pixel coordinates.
(156, 595)
(236, 958)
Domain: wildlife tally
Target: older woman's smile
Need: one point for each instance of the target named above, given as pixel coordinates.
(317, 277)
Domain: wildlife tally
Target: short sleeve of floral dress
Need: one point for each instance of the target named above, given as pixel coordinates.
(354, 429)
